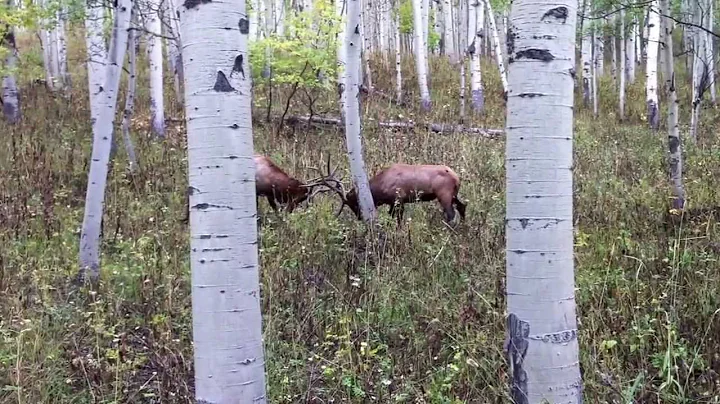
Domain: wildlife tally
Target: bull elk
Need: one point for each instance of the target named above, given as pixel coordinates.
(406, 183)
(278, 187)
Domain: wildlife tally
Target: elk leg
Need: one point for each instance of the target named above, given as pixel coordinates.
(449, 210)
(271, 201)
(400, 213)
(460, 206)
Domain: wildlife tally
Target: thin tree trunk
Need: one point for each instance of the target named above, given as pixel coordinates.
(97, 56)
(496, 44)
(476, 18)
(586, 54)
(227, 321)
(420, 56)
(353, 129)
(710, 50)
(542, 342)
(367, 41)
(10, 93)
(448, 37)
(462, 90)
(102, 141)
(652, 66)
(613, 49)
(342, 58)
(674, 143)
(154, 47)
(62, 49)
(130, 100)
(624, 62)
(630, 51)
(398, 61)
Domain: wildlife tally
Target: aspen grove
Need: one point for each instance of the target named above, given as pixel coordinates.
(531, 192)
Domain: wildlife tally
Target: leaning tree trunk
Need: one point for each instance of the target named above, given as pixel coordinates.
(652, 66)
(542, 342)
(420, 55)
(623, 65)
(96, 56)
(475, 37)
(10, 94)
(496, 44)
(227, 322)
(353, 129)
(102, 142)
(155, 56)
(674, 142)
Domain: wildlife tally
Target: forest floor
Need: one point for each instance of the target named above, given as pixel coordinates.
(414, 316)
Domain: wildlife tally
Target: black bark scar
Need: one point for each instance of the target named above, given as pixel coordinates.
(537, 54)
(238, 66)
(516, 346)
(190, 4)
(222, 84)
(560, 13)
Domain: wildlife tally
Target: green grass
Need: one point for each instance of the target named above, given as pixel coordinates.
(416, 315)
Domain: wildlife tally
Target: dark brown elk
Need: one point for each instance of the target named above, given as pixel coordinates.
(406, 183)
(278, 187)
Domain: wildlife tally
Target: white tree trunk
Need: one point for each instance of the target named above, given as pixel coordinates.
(710, 49)
(586, 56)
(130, 100)
(475, 31)
(102, 142)
(47, 60)
(542, 341)
(398, 61)
(624, 63)
(342, 58)
(613, 49)
(653, 114)
(462, 91)
(674, 142)
(10, 93)
(631, 51)
(700, 70)
(366, 39)
(496, 44)
(155, 53)
(448, 37)
(279, 14)
(594, 76)
(62, 49)
(227, 322)
(97, 56)
(420, 56)
(174, 49)
(353, 128)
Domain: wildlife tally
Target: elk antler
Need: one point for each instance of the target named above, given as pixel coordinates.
(330, 182)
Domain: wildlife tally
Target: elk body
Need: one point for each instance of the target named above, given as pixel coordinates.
(277, 186)
(405, 183)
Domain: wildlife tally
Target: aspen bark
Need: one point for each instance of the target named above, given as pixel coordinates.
(227, 322)
(353, 128)
(542, 329)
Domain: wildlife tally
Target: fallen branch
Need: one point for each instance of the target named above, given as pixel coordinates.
(432, 127)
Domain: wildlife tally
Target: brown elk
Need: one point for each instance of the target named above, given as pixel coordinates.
(406, 183)
(278, 187)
